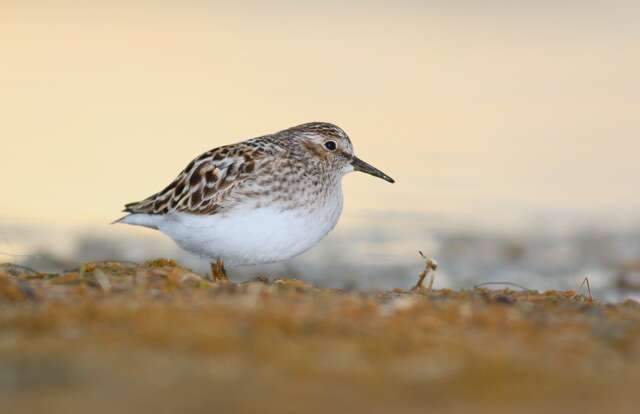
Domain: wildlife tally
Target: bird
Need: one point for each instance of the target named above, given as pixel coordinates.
(262, 200)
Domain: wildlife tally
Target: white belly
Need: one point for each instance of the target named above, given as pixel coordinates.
(252, 236)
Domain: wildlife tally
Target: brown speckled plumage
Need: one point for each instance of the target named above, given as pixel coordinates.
(270, 168)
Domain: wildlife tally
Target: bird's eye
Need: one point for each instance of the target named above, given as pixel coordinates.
(330, 145)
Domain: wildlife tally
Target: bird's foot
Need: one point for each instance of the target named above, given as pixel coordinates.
(218, 272)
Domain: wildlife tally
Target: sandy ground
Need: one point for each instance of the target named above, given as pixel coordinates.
(117, 337)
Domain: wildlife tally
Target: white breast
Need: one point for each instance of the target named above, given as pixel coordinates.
(247, 236)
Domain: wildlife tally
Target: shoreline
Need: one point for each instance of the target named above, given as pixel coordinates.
(120, 336)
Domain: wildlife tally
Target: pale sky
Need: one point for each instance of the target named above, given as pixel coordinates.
(490, 110)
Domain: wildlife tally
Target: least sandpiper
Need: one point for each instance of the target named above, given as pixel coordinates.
(262, 200)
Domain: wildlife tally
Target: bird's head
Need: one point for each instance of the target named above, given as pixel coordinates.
(330, 146)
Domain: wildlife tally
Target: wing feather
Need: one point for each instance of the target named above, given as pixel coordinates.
(204, 185)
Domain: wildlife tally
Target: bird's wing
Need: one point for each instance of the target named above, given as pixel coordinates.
(205, 185)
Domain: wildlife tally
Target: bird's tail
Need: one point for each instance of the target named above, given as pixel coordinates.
(120, 220)
(135, 219)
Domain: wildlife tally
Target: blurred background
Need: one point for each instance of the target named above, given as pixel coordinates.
(511, 129)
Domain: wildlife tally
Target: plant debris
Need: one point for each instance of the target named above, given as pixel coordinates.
(430, 268)
(116, 337)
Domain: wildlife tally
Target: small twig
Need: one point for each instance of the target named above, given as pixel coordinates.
(500, 283)
(430, 268)
(586, 281)
(103, 280)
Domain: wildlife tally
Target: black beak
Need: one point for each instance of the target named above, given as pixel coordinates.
(362, 166)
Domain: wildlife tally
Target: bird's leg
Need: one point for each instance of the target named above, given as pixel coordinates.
(430, 267)
(218, 272)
